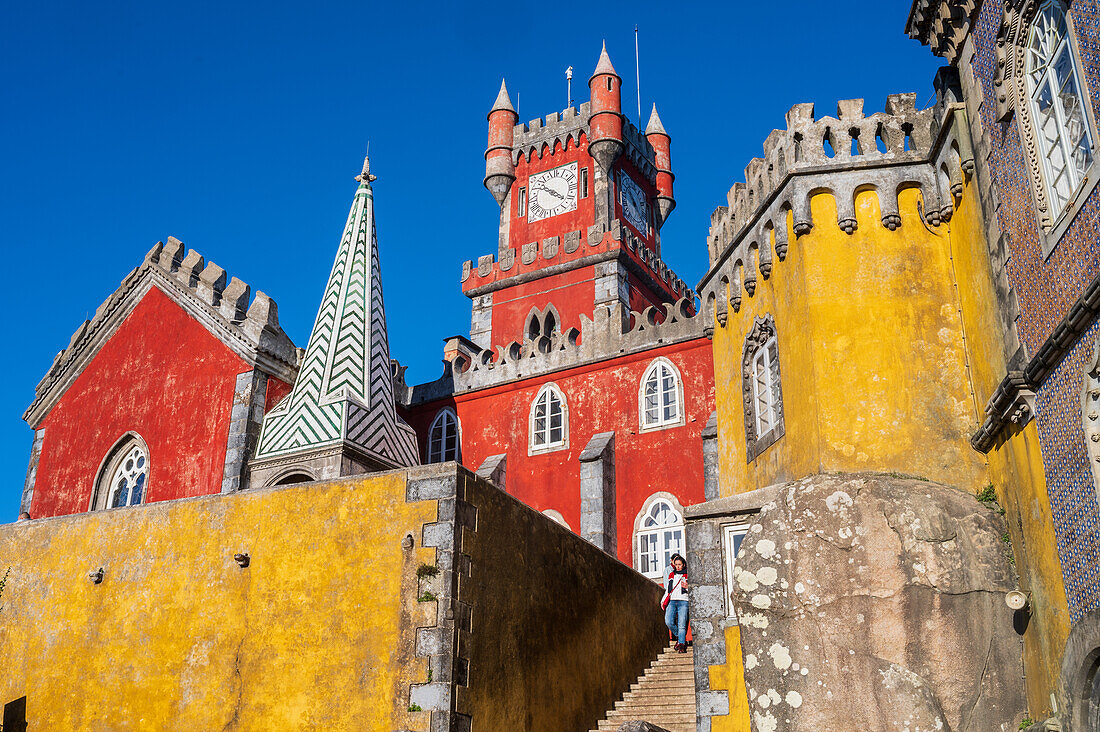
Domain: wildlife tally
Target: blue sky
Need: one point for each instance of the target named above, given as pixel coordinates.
(238, 127)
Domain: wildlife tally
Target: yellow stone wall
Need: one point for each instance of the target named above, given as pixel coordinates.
(890, 346)
(317, 633)
(1015, 464)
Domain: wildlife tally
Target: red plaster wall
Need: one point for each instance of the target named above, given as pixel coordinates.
(572, 293)
(276, 390)
(601, 397)
(176, 392)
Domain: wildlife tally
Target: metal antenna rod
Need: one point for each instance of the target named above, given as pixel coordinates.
(637, 76)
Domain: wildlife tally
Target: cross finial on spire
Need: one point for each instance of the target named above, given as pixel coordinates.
(366, 176)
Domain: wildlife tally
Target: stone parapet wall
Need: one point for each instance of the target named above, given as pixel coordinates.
(419, 599)
(576, 249)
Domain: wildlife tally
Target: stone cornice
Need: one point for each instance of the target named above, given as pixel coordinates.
(941, 24)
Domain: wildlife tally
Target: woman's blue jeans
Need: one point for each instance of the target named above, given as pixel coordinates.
(676, 618)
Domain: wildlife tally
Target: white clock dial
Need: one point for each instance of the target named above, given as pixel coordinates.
(635, 205)
(552, 192)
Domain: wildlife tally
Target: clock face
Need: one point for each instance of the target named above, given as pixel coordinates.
(635, 206)
(552, 192)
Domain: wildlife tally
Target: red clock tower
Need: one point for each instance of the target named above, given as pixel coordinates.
(582, 196)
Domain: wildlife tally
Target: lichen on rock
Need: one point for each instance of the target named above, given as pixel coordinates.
(883, 612)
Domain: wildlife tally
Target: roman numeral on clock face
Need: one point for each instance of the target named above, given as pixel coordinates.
(552, 192)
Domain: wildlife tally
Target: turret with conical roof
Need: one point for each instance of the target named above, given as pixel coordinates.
(661, 142)
(500, 172)
(605, 142)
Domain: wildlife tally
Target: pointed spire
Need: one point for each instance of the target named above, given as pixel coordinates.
(603, 66)
(366, 178)
(503, 102)
(655, 126)
(343, 397)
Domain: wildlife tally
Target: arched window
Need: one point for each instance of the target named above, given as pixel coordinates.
(761, 388)
(124, 476)
(549, 421)
(443, 437)
(658, 534)
(1057, 102)
(660, 399)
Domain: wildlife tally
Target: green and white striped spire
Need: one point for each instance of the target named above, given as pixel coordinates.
(344, 391)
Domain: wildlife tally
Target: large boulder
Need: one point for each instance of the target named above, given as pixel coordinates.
(873, 602)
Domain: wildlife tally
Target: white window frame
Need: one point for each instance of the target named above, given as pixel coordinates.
(113, 468)
(534, 446)
(555, 516)
(1060, 204)
(440, 455)
(764, 402)
(659, 555)
(730, 534)
(656, 371)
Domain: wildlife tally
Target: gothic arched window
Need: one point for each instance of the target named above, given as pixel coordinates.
(658, 534)
(443, 437)
(1057, 102)
(761, 388)
(549, 420)
(660, 399)
(124, 476)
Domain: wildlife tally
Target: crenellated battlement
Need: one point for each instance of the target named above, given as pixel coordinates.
(573, 247)
(205, 290)
(819, 145)
(557, 129)
(886, 152)
(599, 338)
(639, 150)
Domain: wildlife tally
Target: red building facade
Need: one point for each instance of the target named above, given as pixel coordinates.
(584, 388)
(160, 394)
(587, 382)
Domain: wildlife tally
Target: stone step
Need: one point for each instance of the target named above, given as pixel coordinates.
(663, 695)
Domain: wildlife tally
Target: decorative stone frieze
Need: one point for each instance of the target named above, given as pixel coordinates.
(941, 24)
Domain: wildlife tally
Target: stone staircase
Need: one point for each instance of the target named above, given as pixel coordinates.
(663, 696)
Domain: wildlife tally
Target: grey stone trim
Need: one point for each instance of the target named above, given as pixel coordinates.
(32, 471)
(443, 643)
(599, 338)
(250, 331)
(706, 567)
(598, 492)
(763, 331)
(481, 320)
(941, 24)
(1013, 403)
(651, 269)
(1079, 661)
(710, 458)
(246, 417)
(795, 166)
(738, 504)
(559, 128)
(495, 470)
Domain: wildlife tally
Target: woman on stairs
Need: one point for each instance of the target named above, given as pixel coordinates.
(675, 602)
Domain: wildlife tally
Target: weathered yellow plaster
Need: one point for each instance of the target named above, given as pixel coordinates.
(317, 633)
(871, 355)
(890, 345)
(730, 677)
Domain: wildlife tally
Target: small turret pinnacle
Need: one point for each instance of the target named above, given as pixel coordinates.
(503, 100)
(603, 66)
(655, 125)
(366, 177)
